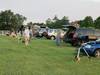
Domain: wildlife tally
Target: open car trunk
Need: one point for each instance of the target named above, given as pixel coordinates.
(76, 36)
(69, 34)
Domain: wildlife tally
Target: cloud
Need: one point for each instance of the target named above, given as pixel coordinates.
(96, 0)
(91, 0)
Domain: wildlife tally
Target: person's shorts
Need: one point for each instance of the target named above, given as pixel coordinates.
(26, 38)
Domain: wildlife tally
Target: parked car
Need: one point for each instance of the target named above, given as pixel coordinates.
(52, 33)
(92, 48)
(77, 36)
(40, 32)
(49, 33)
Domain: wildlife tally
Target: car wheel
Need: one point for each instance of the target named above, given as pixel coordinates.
(97, 53)
(52, 37)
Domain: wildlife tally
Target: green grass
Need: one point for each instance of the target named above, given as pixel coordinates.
(43, 57)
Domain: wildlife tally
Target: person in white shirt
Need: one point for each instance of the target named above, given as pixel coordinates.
(26, 36)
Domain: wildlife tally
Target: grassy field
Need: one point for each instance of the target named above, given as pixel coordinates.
(43, 57)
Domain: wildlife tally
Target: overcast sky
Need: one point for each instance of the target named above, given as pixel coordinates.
(40, 10)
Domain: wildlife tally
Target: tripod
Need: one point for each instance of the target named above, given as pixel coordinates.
(78, 54)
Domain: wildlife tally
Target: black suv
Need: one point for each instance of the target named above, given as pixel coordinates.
(77, 36)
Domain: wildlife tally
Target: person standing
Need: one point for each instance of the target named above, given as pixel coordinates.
(31, 33)
(26, 35)
(58, 38)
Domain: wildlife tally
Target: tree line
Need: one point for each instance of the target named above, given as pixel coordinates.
(89, 22)
(11, 21)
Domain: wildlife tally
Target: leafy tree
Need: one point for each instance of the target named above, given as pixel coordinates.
(9, 20)
(97, 23)
(19, 20)
(55, 18)
(5, 19)
(56, 22)
(65, 20)
(49, 23)
(87, 22)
